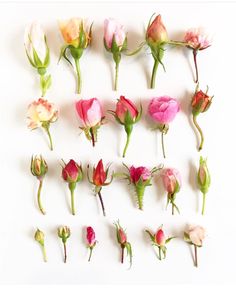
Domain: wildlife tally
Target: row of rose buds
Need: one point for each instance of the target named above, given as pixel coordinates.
(139, 177)
(194, 235)
(78, 36)
(162, 110)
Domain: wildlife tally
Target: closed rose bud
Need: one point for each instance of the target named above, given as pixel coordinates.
(160, 237)
(39, 237)
(63, 232)
(172, 182)
(91, 239)
(99, 174)
(156, 32)
(203, 179)
(72, 172)
(38, 166)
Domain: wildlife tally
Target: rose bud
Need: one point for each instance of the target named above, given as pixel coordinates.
(204, 180)
(77, 38)
(91, 239)
(91, 116)
(201, 102)
(195, 236)
(72, 174)
(39, 168)
(197, 40)
(140, 177)
(99, 180)
(115, 42)
(63, 232)
(42, 113)
(159, 240)
(122, 240)
(126, 114)
(172, 182)
(37, 51)
(39, 237)
(163, 110)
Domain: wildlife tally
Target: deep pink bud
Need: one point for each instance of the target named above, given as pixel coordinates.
(72, 172)
(160, 238)
(138, 173)
(91, 237)
(123, 106)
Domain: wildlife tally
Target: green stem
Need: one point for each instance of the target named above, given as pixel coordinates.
(90, 253)
(44, 253)
(127, 144)
(203, 203)
(154, 72)
(159, 250)
(77, 66)
(200, 131)
(72, 200)
(162, 144)
(171, 42)
(39, 197)
(65, 253)
(41, 81)
(46, 127)
(116, 75)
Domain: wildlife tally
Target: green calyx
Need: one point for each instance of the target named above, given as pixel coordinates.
(203, 177)
(38, 166)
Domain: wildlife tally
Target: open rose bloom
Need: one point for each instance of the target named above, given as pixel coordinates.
(194, 235)
(163, 110)
(159, 240)
(77, 37)
(115, 42)
(38, 54)
(42, 113)
(91, 115)
(197, 39)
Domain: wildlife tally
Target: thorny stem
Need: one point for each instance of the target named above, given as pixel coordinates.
(203, 203)
(101, 201)
(65, 253)
(195, 256)
(154, 71)
(77, 66)
(195, 64)
(200, 131)
(39, 197)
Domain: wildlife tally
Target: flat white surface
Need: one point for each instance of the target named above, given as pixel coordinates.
(20, 256)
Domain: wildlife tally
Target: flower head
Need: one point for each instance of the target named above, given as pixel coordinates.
(38, 166)
(156, 32)
(195, 235)
(201, 102)
(72, 172)
(114, 35)
(139, 174)
(63, 232)
(197, 39)
(91, 237)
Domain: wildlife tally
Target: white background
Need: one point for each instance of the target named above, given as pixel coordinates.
(20, 256)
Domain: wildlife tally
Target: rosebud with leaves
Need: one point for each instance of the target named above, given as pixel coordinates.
(39, 237)
(38, 54)
(39, 168)
(63, 232)
(195, 236)
(91, 115)
(204, 180)
(159, 240)
(201, 102)
(124, 244)
(140, 177)
(77, 38)
(42, 113)
(197, 40)
(126, 114)
(91, 239)
(72, 173)
(115, 42)
(99, 179)
(172, 182)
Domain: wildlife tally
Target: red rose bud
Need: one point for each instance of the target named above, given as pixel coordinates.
(99, 180)
(159, 239)
(200, 103)
(39, 168)
(91, 239)
(122, 240)
(204, 180)
(72, 173)
(140, 177)
(126, 114)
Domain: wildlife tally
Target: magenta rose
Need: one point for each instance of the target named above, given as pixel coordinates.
(91, 116)
(163, 111)
(140, 173)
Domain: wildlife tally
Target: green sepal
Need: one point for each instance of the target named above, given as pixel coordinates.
(169, 239)
(37, 60)
(152, 237)
(72, 186)
(186, 238)
(47, 58)
(129, 252)
(30, 60)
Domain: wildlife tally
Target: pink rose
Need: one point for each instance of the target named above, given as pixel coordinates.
(91, 238)
(113, 31)
(196, 234)
(156, 31)
(72, 172)
(171, 180)
(89, 111)
(124, 106)
(197, 39)
(163, 109)
(160, 237)
(138, 173)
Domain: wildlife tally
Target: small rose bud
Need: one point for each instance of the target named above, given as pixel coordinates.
(91, 239)
(160, 237)
(201, 102)
(72, 172)
(63, 233)
(39, 237)
(203, 179)
(38, 166)
(99, 174)
(156, 32)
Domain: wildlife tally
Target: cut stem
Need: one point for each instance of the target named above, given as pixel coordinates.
(159, 250)
(44, 253)
(72, 200)
(154, 72)
(65, 252)
(173, 209)
(116, 75)
(195, 64)
(46, 127)
(90, 253)
(162, 144)
(77, 66)
(203, 203)
(101, 201)
(200, 132)
(127, 144)
(39, 197)
(122, 253)
(195, 256)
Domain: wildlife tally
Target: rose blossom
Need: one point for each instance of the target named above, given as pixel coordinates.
(197, 38)
(156, 31)
(113, 31)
